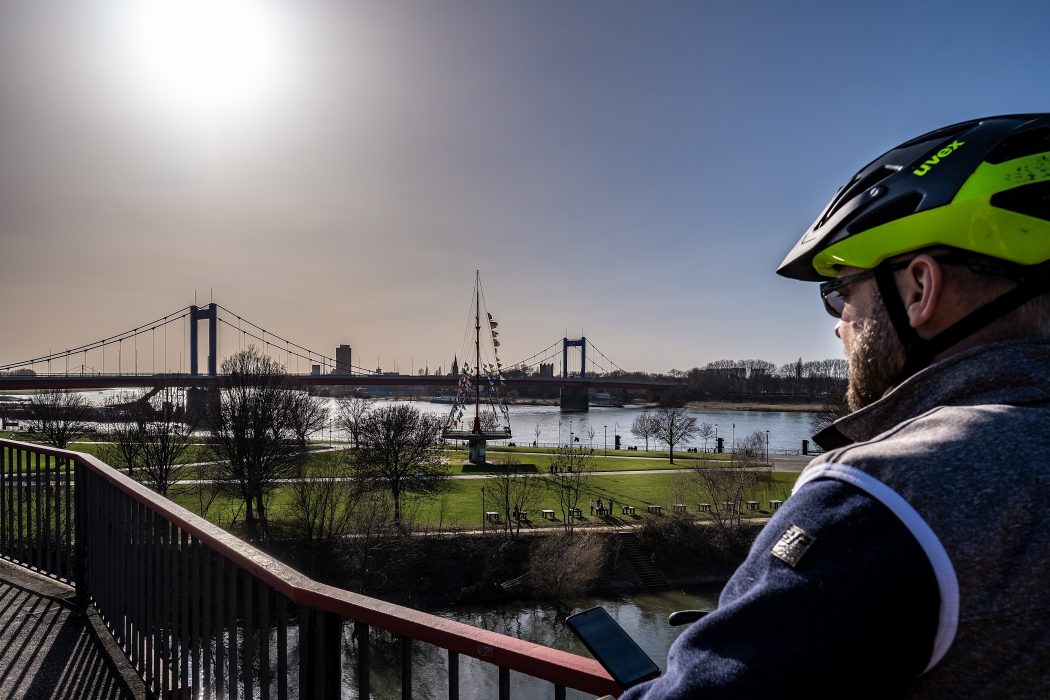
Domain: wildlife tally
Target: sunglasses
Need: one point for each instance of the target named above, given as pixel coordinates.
(831, 294)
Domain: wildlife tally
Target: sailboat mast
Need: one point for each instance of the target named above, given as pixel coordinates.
(477, 351)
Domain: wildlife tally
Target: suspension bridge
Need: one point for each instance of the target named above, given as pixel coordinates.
(165, 353)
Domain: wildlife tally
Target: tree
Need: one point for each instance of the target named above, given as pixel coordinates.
(308, 414)
(60, 417)
(514, 491)
(705, 431)
(150, 437)
(674, 426)
(644, 427)
(322, 506)
(570, 468)
(728, 484)
(399, 449)
(166, 437)
(352, 410)
(252, 432)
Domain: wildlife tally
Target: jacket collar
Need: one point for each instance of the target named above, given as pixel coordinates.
(1008, 372)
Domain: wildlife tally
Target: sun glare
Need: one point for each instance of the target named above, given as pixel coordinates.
(208, 62)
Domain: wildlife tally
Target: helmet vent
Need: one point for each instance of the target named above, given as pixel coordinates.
(1031, 200)
(1019, 145)
(857, 187)
(944, 134)
(896, 208)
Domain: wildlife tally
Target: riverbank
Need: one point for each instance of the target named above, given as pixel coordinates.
(757, 405)
(439, 571)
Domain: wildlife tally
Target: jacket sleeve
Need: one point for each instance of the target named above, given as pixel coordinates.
(855, 615)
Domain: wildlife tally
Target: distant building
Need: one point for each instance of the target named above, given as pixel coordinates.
(546, 370)
(343, 365)
(455, 367)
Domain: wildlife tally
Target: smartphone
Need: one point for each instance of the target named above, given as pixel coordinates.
(612, 647)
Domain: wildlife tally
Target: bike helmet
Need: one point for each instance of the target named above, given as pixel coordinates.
(980, 186)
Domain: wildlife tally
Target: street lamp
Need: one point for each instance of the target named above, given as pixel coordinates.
(767, 447)
(605, 430)
(483, 509)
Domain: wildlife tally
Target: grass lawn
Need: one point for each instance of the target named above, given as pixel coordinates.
(461, 503)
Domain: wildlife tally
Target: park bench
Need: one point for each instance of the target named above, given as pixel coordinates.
(775, 504)
(575, 513)
(752, 505)
(492, 516)
(653, 509)
(678, 507)
(547, 513)
(627, 510)
(730, 506)
(704, 507)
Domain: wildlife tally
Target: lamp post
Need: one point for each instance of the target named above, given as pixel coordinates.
(483, 509)
(767, 447)
(605, 431)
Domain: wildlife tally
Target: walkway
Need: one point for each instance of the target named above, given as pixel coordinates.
(47, 649)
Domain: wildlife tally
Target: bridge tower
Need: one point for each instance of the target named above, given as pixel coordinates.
(574, 398)
(199, 401)
(210, 314)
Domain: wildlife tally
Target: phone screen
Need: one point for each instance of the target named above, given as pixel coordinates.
(612, 647)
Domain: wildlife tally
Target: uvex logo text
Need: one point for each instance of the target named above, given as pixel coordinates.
(936, 157)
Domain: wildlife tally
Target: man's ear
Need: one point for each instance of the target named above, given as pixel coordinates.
(921, 285)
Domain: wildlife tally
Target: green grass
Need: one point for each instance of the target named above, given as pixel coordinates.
(460, 505)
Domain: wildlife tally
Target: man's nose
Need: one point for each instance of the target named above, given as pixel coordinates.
(838, 330)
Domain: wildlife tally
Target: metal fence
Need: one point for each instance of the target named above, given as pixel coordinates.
(201, 613)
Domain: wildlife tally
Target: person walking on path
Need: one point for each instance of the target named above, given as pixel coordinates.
(592, 506)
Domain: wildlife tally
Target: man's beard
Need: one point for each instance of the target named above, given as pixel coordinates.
(875, 358)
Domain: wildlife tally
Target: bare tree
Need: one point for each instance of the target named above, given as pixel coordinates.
(515, 491)
(252, 434)
(352, 410)
(323, 505)
(674, 426)
(126, 433)
(834, 407)
(729, 484)
(645, 427)
(166, 437)
(705, 431)
(60, 417)
(308, 414)
(570, 469)
(399, 449)
(564, 566)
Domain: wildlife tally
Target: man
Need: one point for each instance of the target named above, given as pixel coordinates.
(913, 558)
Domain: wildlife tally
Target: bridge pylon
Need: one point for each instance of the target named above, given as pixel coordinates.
(209, 313)
(574, 398)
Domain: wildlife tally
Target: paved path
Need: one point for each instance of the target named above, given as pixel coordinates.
(47, 649)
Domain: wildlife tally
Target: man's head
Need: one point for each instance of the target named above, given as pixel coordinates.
(940, 244)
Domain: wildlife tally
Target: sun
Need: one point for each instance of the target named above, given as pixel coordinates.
(206, 62)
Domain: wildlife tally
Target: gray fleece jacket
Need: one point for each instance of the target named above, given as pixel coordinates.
(912, 560)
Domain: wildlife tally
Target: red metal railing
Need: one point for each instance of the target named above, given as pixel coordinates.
(201, 613)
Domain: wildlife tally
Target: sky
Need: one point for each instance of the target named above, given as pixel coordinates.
(336, 171)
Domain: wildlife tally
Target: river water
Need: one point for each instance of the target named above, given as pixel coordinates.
(643, 616)
(598, 427)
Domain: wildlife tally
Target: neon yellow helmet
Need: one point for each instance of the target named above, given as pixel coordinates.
(981, 186)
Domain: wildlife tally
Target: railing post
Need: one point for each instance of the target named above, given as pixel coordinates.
(79, 535)
(320, 653)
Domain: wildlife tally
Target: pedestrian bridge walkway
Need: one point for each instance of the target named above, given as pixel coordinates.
(47, 650)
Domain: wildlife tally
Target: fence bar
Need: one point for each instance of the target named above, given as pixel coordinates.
(406, 668)
(220, 617)
(453, 675)
(504, 683)
(185, 598)
(263, 630)
(364, 668)
(559, 692)
(282, 648)
(248, 642)
(231, 631)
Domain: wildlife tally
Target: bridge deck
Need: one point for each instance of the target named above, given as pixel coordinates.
(48, 650)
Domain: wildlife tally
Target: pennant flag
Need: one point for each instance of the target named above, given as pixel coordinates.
(492, 324)
(496, 343)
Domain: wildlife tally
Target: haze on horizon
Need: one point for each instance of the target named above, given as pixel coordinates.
(336, 171)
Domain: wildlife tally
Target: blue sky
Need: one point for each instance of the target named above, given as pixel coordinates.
(634, 171)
